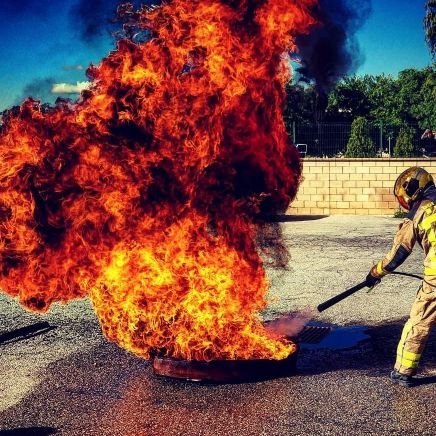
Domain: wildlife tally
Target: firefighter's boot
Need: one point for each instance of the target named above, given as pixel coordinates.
(403, 380)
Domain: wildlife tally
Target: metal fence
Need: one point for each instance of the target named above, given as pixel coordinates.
(330, 139)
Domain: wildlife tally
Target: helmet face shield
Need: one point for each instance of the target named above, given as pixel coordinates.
(400, 192)
(403, 203)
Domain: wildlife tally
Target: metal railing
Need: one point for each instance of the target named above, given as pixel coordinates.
(330, 139)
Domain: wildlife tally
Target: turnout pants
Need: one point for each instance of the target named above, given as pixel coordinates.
(417, 329)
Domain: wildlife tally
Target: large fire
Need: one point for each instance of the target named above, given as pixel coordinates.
(147, 193)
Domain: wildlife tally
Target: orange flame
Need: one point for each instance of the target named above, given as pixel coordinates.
(146, 193)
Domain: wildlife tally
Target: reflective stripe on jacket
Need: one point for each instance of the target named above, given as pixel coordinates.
(419, 226)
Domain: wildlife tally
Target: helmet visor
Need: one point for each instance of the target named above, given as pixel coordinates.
(400, 190)
(403, 202)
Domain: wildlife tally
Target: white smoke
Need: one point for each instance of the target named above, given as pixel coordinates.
(291, 324)
(70, 88)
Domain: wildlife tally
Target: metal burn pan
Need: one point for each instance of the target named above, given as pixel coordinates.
(238, 371)
(225, 371)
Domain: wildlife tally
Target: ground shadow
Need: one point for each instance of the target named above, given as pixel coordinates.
(283, 218)
(25, 332)
(426, 381)
(29, 431)
(374, 355)
(107, 389)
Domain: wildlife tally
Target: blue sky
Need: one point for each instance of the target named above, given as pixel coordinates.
(392, 39)
(46, 42)
(43, 43)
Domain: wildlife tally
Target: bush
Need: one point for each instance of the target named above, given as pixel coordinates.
(360, 143)
(404, 146)
(399, 213)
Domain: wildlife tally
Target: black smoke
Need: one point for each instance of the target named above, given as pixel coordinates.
(331, 50)
(39, 89)
(15, 8)
(93, 20)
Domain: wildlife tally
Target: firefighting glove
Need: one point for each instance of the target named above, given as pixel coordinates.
(371, 280)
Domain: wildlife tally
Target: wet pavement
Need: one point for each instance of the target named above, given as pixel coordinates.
(63, 377)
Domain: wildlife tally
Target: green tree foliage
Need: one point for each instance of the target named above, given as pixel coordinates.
(395, 101)
(404, 145)
(360, 144)
(408, 99)
(430, 25)
(384, 98)
(424, 109)
(372, 97)
(300, 103)
(410, 83)
(350, 99)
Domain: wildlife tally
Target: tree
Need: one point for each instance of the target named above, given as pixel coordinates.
(410, 82)
(424, 109)
(408, 99)
(384, 97)
(430, 25)
(300, 102)
(360, 144)
(350, 99)
(404, 145)
(390, 101)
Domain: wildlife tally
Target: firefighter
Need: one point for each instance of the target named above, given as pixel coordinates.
(415, 191)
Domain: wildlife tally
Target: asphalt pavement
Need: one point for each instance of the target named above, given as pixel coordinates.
(65, 378)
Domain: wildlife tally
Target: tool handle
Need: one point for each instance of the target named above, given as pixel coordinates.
(332, 301)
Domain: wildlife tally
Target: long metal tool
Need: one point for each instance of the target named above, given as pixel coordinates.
(332, 301)
(337, 298)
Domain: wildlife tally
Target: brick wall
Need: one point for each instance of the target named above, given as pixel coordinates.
(351, 186)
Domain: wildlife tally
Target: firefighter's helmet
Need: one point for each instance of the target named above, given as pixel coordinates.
(410, 184)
